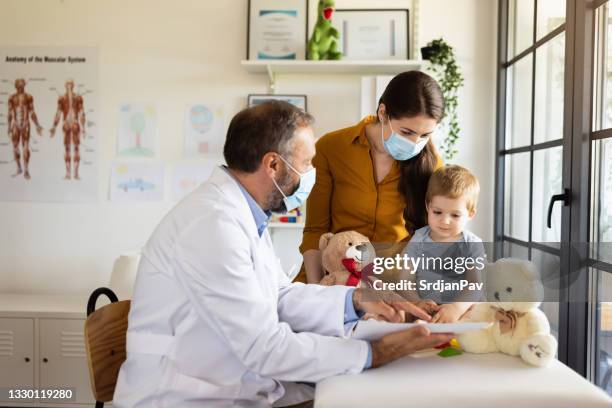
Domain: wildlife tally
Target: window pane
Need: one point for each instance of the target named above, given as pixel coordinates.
(516, 200)
(551, 310)
(608, 68)
(605, 192)
(512, 250)
(520, 26)
(547, 176)
(551, 14)
(603, 69)
(518, 103)
(549, 90)
(601, 200)
(603, 356)
(549, 266)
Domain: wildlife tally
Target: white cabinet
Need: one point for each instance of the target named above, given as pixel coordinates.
(42, 346)
(16, 353)
(63, 362)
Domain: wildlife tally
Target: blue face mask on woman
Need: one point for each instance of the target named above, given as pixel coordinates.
(299, 196)
(399, 147)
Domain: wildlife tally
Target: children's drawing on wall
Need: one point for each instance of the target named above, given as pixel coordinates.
(137, 182)
(186, 177)
(137, 130)
(48, 91)
(204, 130)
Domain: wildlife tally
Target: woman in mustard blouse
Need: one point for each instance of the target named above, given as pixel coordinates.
(372, 177)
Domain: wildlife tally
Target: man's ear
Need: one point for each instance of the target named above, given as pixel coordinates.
(324, 240)
(471, 214)
(270, 163)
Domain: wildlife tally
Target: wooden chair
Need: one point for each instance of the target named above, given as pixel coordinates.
(105, 331)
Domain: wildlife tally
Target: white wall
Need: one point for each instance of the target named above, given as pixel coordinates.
(470, 26)
(183, 51)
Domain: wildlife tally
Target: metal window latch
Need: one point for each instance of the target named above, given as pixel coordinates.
(565, 197)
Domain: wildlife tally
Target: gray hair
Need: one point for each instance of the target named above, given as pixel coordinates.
(268, 127)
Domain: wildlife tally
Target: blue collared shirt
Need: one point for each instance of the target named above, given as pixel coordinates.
(261, 218)
(350, 316)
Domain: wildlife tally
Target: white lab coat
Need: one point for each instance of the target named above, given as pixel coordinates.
(214, 320)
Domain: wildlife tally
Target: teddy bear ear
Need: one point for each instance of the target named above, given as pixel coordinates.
(324, 240)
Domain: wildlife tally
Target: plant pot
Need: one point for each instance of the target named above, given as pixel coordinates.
(428, 52)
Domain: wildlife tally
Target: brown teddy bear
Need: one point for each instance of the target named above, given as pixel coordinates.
(348, 259)
(345, 256)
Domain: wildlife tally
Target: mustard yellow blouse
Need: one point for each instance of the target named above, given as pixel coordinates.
(346, 195)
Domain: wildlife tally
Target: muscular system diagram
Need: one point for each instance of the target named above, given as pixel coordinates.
(20, 112)
(70, 109)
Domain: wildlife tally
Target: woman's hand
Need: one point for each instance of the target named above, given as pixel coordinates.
(387, 305)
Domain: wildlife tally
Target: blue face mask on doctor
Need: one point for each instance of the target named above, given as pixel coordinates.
(299, 196)
(401, 148)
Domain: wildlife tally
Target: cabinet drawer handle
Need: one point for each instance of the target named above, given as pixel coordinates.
(45, 360)
(27, 359)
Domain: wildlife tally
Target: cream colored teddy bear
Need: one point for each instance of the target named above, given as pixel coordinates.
(520, 328)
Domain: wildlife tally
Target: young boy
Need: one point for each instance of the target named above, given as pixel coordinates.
(449, 254)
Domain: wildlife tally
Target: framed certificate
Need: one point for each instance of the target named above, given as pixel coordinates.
(296, 100)
(277, 30)
(376, 34)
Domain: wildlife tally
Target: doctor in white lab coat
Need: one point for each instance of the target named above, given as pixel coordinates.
(214, 320)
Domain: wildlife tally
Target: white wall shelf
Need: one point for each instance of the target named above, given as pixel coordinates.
(286, 225)
(331, 67)
(342, 67)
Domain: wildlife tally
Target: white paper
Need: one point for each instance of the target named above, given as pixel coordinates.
(58, 80)
(137, 130)
(277, 30)
(375, 329)
(186, 177)
(137, 182)
(372, 36)
(204, 130)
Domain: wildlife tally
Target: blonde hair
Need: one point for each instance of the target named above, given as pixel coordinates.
(452, 181)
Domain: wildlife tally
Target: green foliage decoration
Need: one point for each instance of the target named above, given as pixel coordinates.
(445, 69)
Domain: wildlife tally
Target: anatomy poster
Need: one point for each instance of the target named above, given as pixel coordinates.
(48, 124)
(137, 130)
(186, 177)
(137, 182)
(204, 130)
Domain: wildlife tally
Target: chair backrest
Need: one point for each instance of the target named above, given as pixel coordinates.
(124, 275)
(105, 331)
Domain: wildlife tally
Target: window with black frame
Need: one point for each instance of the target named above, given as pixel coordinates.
(601, 193)
(554, 166)
(530, 143)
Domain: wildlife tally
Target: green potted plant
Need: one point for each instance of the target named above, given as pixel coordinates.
(445, 69)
